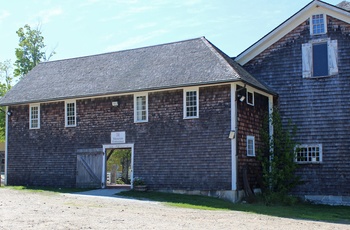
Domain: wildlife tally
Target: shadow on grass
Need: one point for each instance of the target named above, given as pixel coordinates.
(47, 189)
(325, 213)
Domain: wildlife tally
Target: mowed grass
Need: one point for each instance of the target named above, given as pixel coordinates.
(45, 189)
(334, 214)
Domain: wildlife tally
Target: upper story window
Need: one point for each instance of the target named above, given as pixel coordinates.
(250, 146)
(308, 153)
(318, 25)
(70, 113)
(34, 116)
(250, 98)
(320, 58)
(141, 107)
(191, 101)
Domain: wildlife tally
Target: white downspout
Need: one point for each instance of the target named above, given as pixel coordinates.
(233, 140)
(104, 168)
(6, 142)
(270, 115)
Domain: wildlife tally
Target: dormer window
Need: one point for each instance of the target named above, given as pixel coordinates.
(318, 25)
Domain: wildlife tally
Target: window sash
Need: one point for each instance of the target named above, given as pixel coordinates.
(191, 98)
(250, 98)
(318, 24)
(70, 113)
(34, 116)
(308, 153)
(250, 146)
(141, 108)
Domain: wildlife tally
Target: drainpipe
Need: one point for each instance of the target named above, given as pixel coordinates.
(6, 143)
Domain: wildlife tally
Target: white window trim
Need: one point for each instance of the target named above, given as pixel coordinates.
(251, 138)
(252, 92)
(75, 113)
(312, 26)
(307, 146)
(135, 107)
(307, 63)
(30, 115)
(184, 102)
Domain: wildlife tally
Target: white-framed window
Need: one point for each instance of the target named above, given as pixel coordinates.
(308, 153)
(320, 58)
(250, 97)
(141, 107)
(34, 116)
(191, 102)
(250, 146)
(318, 24)
(70, 113)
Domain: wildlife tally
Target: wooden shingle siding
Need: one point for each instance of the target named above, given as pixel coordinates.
(169, 152)
(250, 123)
(318, 106)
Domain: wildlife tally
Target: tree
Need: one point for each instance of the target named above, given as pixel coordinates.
(121, 158)
(30, 51)
(7, 78)
(277, 158)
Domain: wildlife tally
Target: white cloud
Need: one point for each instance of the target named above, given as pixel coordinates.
(130, 13)
(4, 14)
(192, 2)
(136, 41)
(106, 38)
(146, 25)
(108, 4)
(46, 15)
(136, 10)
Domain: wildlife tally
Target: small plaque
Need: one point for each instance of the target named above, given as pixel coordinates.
(117, 137)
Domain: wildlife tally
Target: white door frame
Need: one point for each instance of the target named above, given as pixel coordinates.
(116, 146)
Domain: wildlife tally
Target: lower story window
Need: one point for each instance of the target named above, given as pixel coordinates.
(308, 153)
(250, 146)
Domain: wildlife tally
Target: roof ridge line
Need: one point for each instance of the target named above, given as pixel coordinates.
(215, 50)
(126, 50)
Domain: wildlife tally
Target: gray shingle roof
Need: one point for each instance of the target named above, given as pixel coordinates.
(185, 63)
(344, 5)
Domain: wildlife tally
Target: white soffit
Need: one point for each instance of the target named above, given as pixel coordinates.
(314, 7)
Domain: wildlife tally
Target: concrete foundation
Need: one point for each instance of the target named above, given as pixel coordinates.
(330, 200)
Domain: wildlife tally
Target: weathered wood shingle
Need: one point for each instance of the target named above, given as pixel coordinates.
(178, 64)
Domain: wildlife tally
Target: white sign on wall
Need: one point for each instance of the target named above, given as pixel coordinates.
(117, 137)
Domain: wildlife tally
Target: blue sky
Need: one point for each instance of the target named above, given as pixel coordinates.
(85, 27)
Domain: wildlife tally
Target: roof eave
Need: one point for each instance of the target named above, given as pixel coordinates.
(107, 94)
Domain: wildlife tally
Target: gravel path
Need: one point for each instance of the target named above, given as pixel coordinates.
(28, 210)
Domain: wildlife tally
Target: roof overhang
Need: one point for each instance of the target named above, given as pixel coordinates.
(314, 7)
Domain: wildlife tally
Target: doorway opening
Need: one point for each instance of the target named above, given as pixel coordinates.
(118, 165)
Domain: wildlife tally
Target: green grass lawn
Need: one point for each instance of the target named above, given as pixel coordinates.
(45, 189)
(335, 214)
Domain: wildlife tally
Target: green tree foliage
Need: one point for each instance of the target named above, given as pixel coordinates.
(277, 157)
(30, 51)
(6, 79)
(121, 158)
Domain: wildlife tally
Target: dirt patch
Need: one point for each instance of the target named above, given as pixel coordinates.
(27, 210)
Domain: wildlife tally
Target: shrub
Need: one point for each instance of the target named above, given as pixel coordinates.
(277, 159)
